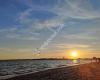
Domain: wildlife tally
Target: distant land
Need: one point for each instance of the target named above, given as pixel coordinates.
(48, 59)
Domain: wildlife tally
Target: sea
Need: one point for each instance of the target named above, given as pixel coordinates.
(13, 68)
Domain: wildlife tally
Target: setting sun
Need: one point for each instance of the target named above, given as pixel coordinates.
(74, 54)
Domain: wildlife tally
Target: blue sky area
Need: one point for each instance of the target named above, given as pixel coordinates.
(26, 25)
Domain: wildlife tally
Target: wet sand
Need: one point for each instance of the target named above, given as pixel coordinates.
(89, 71)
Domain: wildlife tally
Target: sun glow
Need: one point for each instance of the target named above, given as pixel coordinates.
(74, 54)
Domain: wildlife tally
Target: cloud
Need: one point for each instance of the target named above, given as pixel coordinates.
(79, 36)
(21, 50)
(84, 33)
(23, 16)
(69, 46)
(5, 49)
(64, 9)
(62, 47)
(22, 37)
(77, 9)
(8, 29)
(15, 33)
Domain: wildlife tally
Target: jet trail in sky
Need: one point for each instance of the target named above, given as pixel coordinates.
(46, 43)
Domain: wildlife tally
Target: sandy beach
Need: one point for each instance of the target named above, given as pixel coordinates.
(89, 71)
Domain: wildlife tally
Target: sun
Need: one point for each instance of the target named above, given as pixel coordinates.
(74, 54)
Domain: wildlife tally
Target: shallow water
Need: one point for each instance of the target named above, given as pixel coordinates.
(19, 67)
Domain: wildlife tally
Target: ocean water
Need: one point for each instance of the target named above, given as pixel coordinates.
(20, 67)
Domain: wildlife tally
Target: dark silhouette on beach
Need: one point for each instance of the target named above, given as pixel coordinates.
(95, 59)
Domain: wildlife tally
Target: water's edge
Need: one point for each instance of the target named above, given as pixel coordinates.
(18, 68)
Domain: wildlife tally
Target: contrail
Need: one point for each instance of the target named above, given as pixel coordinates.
(49, 39)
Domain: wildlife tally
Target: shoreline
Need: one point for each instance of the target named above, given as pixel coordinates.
(78, 72)
(35, 72)
(40, 75)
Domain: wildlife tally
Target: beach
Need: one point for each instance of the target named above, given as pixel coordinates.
(51, 74)
(88, 71)
(14, 68)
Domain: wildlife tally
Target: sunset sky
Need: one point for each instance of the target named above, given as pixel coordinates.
(28, 25)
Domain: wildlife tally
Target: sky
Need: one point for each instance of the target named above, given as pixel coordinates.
(51, 27)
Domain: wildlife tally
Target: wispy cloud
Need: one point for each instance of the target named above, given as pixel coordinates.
(22, 37)
(15, 33)
(78, 9)
(19, 50)
(64, 10)
(33, 24)
(13, 29)
(85, 33)
(71, 46)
